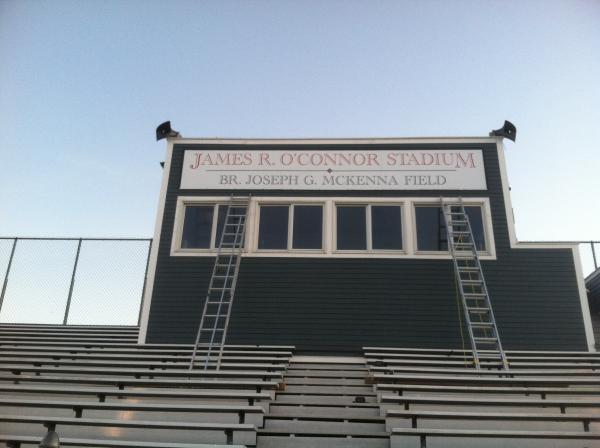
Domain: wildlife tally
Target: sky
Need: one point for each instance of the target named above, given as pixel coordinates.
(83, 85)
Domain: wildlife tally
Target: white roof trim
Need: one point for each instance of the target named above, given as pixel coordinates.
(325, 141)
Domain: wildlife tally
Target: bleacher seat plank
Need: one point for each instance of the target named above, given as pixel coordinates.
(276, 363)
(451, 379)
(256, 412)
(415, 416)
(19, 439)
(229, 429)
(561, 404)
(141, 356)
(461, 352)
(490, 365)
(542, 391)
(183, 373)
(423, 434)
(482, 372)
(119, 382)
(103, 393)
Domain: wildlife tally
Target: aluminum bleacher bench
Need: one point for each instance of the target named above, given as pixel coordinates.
(102, 393)
(491, 365)
(17, 369)
(232, 432)
(460, 355)
(453, 352)
(226, 364)
(393, 416)
(42, 356)
(543, 392)
(399, 435)
(324, 437)
(15, 441)
(512, 373)
(121, 383)
(246, 414)
(483, 381)
(388, 401)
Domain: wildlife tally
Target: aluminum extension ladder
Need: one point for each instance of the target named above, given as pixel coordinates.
(212, 330)
(475, 298)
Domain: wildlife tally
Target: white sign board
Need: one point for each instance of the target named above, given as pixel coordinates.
(334, 170)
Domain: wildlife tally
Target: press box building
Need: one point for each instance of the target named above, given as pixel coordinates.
(346, 247)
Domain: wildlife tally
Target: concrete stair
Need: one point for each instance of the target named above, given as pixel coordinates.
(325, 403)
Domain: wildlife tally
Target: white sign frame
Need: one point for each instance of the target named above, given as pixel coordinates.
(330, 170)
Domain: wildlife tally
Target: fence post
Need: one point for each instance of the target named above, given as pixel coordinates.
(72, 283)
(145, 280)
(594, 255)
(12, 254)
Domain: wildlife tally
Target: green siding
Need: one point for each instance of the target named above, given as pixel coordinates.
(334, 305)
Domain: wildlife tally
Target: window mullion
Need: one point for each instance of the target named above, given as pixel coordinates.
(290, 226)
(213, 231)
(368, 226)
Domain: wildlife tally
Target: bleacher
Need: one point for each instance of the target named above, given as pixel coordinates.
(434, 398)
(96, 387)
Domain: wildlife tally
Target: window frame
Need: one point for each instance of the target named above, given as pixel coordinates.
(182, 204)
(290, 234)
(368, 203)
(483, 203)
(329, 236)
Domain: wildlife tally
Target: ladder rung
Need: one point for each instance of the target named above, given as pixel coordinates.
(478, 310)
(212, 329)
(215, 303)
(471, 281)
(474, 294)
(485, 340)
(482, 324)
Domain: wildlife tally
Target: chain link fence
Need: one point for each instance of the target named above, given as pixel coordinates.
(72, 281)
(96, 281)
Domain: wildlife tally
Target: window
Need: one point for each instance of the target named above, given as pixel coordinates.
(386, 227)
(431, 228)
(198, 225)
(308, 227)
(369, 227)
(351, 227)
(273, 227)
(286, 227)
(476, 221)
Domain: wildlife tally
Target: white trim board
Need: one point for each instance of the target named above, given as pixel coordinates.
(160, 211)
(330, 141)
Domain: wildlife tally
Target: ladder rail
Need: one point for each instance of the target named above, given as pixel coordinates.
(484, 286)
(232, 252)
(477, 296)
(223, 289)
(232, 291)
(205, 308)
(462, 292)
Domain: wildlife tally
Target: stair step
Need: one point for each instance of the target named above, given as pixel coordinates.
(335, 427)
(323, 399)
(276, 409)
